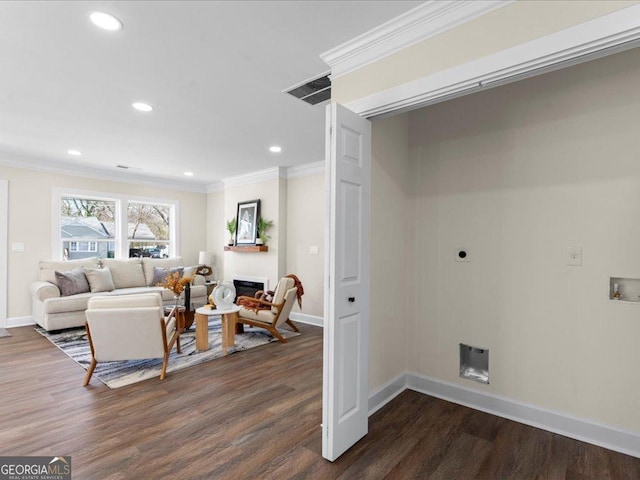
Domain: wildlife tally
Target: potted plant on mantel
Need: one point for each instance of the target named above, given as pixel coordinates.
(263, 226)
(232, 226)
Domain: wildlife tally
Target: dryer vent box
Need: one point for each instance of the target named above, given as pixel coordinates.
(474, 363)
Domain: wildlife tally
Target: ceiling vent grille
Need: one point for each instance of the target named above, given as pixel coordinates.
(313, 91)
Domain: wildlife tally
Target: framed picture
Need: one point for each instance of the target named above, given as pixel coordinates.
(248, 213)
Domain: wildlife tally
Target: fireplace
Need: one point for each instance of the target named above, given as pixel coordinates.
(248, 286)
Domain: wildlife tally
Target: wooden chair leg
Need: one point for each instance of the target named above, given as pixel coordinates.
(277, 334)
(165, 362)
(178, 346)
(87, 377)
(292, 325)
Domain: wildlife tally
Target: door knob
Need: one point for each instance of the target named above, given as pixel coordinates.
(352, 299)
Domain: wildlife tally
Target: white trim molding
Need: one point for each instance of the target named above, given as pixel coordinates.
(315, 168)
(553, 421)
(20, 322)
(424, 21)
(308, 319)
(62, 168)
(593, 39)
(4, 249)
(255, 177)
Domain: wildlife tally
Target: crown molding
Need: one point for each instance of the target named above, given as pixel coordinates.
(315, 168)
(599, 37)
(100, 174)
(215, 187)
(424, 21)
(255, 177)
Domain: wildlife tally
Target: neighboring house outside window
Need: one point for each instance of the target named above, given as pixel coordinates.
(91, 226)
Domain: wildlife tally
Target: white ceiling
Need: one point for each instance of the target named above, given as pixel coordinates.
(214, 71)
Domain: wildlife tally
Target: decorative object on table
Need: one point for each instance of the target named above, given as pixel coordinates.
(74, 343)
(204, 261)
(248, 213)
(224, 295)
(232, 226)
(176, 284)
(263, 226)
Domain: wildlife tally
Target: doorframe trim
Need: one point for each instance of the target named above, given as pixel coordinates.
(596, 38)
(4, 250)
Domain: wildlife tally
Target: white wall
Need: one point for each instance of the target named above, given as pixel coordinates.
(516, 175)
(217, 234)
(30, 222)
(305, 228)
(261, 264)
(392, 227)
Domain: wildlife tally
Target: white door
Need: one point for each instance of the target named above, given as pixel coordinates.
(346, 331)
(4, 238)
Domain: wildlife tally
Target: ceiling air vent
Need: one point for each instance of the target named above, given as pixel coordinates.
(312, 91)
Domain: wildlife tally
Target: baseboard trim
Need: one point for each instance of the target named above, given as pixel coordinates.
(20, 322)
(387, 392)
(553, 421)
(308, 319)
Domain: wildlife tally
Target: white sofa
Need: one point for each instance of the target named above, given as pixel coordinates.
(53, 311)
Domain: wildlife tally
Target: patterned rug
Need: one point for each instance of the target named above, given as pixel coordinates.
(75, 344)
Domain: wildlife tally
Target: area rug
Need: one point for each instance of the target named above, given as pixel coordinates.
(75, 344)
(4, 333)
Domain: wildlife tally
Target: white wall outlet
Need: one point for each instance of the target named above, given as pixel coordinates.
(574, 256)
(314, 250)
(17, 247)
(462, 255)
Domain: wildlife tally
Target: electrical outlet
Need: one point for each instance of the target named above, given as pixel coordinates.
(574, 256)
(314, 250)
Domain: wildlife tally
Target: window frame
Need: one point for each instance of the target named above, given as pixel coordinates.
(121, 223)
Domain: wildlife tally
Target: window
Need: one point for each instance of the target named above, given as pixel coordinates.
(113, 226)
(148, 230)
(87, 227)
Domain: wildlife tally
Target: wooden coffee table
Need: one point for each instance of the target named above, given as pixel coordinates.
(229, 320)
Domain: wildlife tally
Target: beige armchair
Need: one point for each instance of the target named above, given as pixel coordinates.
(270, 315)
(130, 327)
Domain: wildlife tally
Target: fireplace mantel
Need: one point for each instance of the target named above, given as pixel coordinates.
(246, 248)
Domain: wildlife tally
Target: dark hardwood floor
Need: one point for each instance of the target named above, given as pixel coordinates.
(257, 414)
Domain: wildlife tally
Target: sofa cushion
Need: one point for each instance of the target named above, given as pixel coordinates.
(48, 269)
(125, 273)
(261, 315)
(149, 263)
(160, 274)
(100, 279)
(72, 282)
(73, 303)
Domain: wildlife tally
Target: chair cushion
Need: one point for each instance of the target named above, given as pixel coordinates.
(125, 273)
(125, 301)
(261, 315)
(284, 284)
(72, 282)
(99, 279)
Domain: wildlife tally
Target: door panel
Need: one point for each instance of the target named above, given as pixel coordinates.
(346, 340)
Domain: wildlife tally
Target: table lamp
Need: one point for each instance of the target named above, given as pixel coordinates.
(204, 261)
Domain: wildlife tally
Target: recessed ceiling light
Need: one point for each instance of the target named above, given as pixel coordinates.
(275, 149)
(142, 107)
(75, 153)
(106, 21)
(188, 174)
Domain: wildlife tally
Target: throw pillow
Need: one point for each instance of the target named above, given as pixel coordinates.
(72, 282)
(99, 279)
(160, 274)
(190, 272)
